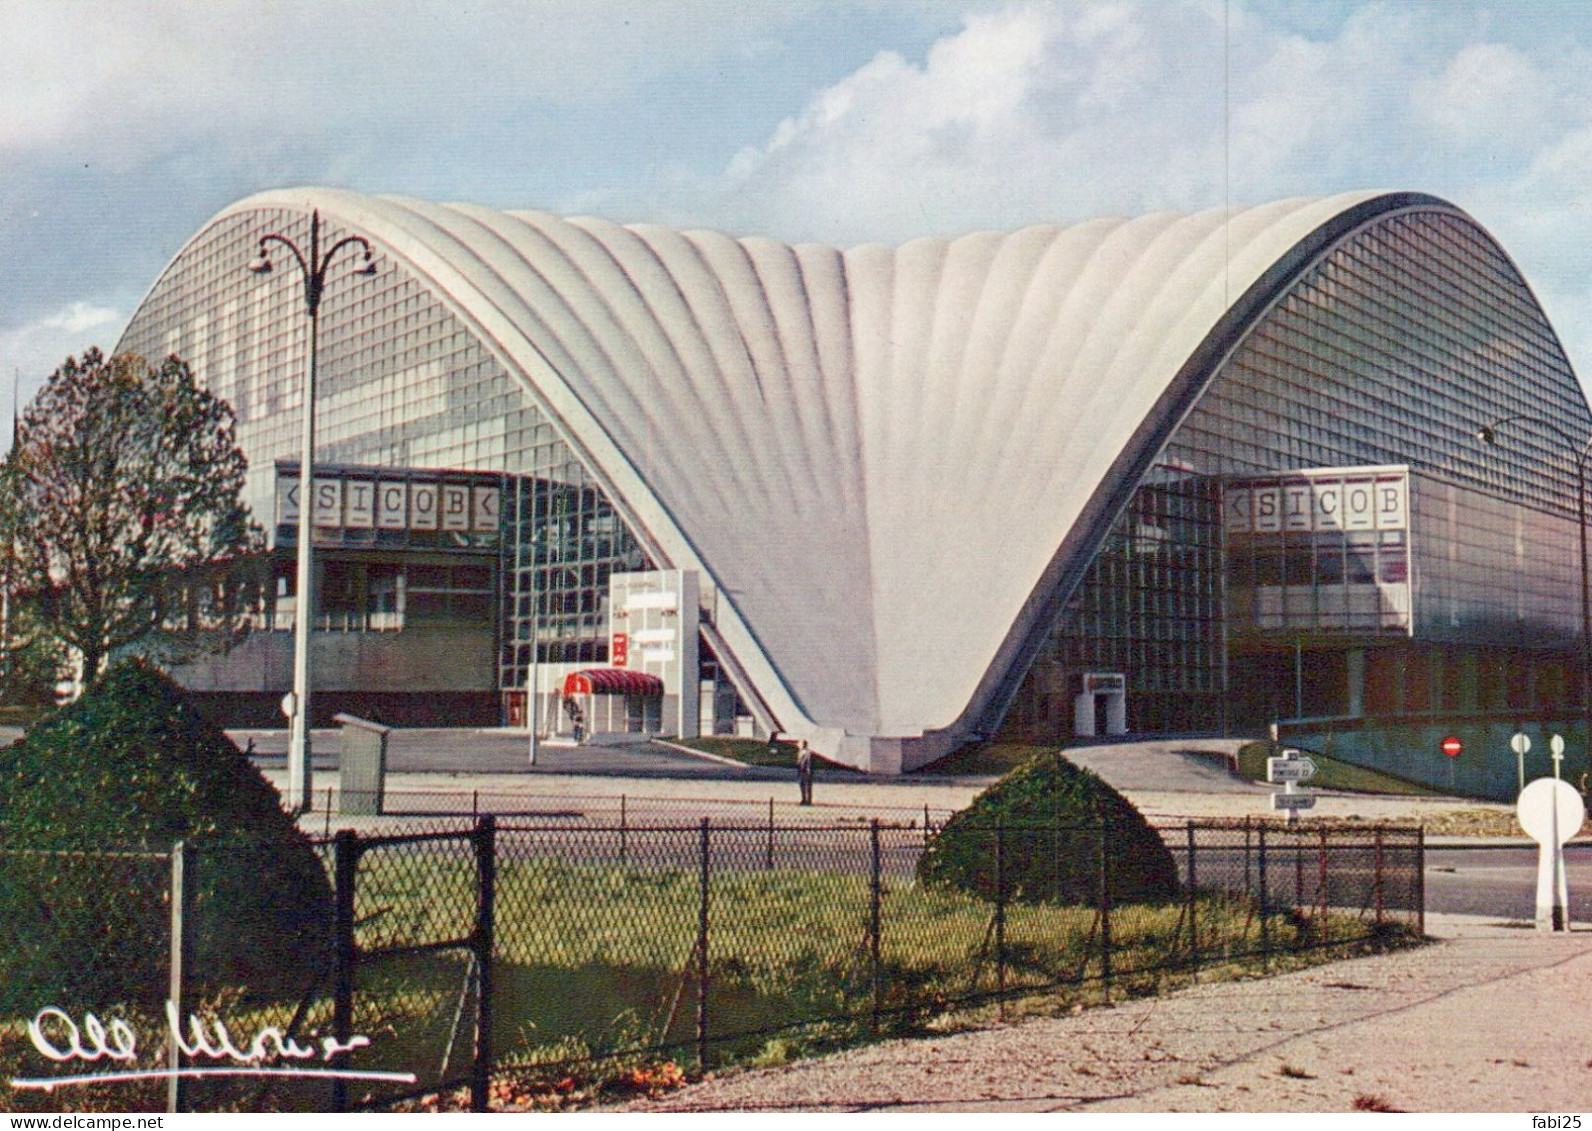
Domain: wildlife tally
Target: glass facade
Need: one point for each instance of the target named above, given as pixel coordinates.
(1387, 351)
(401, 383)
(1392, 349)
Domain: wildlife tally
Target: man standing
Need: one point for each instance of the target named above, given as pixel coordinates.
(804, 771)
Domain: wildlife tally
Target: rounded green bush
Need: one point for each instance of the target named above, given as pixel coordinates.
(1050, 818)
(131, 767)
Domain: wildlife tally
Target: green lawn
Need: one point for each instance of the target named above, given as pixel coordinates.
(597, 958)
(598, 972)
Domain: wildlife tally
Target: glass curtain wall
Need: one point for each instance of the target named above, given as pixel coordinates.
(401, 383)
(1408, 335)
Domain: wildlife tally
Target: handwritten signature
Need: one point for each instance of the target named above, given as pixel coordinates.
(59, 1037)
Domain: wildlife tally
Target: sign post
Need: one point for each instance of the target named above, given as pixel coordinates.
(1291, 769)
(1452, 746)
(1551, 812)
(1521, 745)
(1556, 749)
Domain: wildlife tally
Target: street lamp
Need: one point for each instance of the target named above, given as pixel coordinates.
(533, 683)
(1488, 434)
(313, 270)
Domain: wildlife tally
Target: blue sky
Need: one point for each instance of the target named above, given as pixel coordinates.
(128, 125)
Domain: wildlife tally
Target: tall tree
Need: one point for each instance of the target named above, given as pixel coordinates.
(120, 505)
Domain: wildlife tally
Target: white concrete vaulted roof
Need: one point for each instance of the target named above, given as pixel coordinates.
(886, 459)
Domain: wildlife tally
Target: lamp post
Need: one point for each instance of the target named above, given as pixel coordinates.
(313, 270)
(533, 683)
(1488, 434)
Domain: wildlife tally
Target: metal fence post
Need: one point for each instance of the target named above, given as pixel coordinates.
(768, 856)
(1265, 927)
(1193, 904)
(1105, 908)
(1420, 880)
(181, 891)
(703, 846)
(1376, 878)
(1299, 873)
(624, 832)
(1000, 916)
(1248, 888)
(876, 926)
(483, 945)
(1321, 887)
(345, 850)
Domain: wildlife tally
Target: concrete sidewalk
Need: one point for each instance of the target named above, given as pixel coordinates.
(1491, 1017)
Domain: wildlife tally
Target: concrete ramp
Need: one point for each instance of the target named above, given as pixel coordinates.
(1166, 765)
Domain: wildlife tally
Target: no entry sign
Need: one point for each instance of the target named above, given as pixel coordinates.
(1452, 746)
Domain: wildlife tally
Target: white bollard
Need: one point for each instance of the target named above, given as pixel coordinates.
(1551, 812)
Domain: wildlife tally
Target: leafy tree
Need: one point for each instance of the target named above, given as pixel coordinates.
(132, 766)
(1053, 819)
(120, 509)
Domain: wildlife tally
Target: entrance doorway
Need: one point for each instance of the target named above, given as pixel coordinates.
(1101, 707)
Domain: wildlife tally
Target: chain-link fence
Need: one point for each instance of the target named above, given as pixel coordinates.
(82, 932)
(470, 953)
(568, 945)
(337, 808)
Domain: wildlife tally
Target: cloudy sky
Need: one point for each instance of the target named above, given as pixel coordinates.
(126, 125)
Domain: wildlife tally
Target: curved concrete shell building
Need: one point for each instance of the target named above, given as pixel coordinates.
(1062, 479)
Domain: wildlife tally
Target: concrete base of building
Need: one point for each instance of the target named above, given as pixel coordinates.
(263, 709)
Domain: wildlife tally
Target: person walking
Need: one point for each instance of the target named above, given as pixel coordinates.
(804, 771)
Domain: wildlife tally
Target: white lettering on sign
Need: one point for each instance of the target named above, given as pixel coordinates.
(359, 504)
(360, 501)
(1319, 501)
(328, 502)
(485, 514)
(1328, 505)
(1239, 520)
(455, 507)
(1296, 506)
(423, 506)
(392, 513)
(1268, 509)
(287, 500)
(1359, 509)
(1392, 503)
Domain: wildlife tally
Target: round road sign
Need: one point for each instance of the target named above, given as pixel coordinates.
(1556, 745)
(1520, 743)
(1452, 746)
(1551, 811)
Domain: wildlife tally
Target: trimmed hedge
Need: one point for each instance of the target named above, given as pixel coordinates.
(1050, 814)
(131, 766)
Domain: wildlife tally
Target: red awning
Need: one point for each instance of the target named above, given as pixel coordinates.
(612, 681)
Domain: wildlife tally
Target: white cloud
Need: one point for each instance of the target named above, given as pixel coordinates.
(1059, 112)
(1033, 112)
(30, 353)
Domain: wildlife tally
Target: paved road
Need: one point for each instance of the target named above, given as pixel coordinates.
(1502, 882)
(507, 751)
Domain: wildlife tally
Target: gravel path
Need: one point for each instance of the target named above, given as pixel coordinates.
(1484, 1020)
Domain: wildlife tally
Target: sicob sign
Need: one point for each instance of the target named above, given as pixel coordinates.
(364, 502)
(1375, 498)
